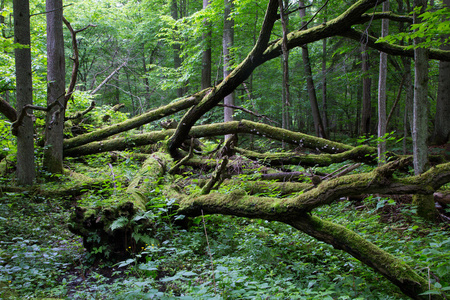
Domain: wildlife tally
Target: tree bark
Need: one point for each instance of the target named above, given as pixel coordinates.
(424, 203)
(324, 87)
(24, 92)
(286, 95)
(318, 125)
(382, 92)
(360, 154)
(7, 110)
(227, 44)
(206, 56)
(367, 82)
(53, 150)
(420, 105)
(176, 44)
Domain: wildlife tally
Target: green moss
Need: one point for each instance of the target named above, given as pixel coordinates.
(425, 206)
(393, 268)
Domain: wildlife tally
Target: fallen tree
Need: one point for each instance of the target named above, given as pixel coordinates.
(297, 211)
(121, 220)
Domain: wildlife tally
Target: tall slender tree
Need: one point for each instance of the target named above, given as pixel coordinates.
(324, 87)
(424, 203)
(366, 93)
(382, 92)
(24, 92)
(227, 44)
(206, 55)
(53, 151)
(420, 105)
(176, 46)
(318, 125)
(285, 59)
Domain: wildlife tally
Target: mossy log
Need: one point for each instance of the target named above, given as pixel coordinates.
(94, 223)
(235, 127)
(394, 269)
(361, 154)
(135, 122)
(263, 187)
(379, 181)
(296, 212)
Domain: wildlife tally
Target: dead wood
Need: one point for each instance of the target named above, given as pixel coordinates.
(217, 176)
(284, 176)
(234, 127)
(135, 122)
(362, 154)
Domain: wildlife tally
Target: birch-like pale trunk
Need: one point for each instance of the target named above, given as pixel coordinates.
(227, 44)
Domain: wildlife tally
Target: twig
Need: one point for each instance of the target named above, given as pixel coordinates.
(108, 78)
(209, 252)
(49, 11)
(399, 93)
(307, 23)
(332, 173)
(347, 170)
(247, 111)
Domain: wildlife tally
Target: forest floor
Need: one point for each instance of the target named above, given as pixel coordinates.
(238, 258)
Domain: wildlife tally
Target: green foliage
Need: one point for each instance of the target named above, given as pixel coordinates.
(434, 30)
(7, 140)
(35, 248)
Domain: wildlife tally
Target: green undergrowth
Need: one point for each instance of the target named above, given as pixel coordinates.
(240, 259)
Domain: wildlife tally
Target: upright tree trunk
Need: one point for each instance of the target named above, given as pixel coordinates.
(420, 105)
(366, 96)
(441, 134)
(53, 150)
(285, 59)
(382, 93)
(206, 58)
(324, 87)
(227, 43)
(24, 92)
(424, 203)
(318, 125)
(176, 45)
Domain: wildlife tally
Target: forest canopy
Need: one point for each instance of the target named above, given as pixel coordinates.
(145, 120)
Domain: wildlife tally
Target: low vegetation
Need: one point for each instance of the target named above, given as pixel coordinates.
(211, 256)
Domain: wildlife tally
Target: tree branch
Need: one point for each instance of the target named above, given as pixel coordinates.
(7, 110)
(392, 49)
(76, 61)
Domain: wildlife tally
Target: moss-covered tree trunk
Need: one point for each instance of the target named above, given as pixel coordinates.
(234, 127)
(108, 228)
